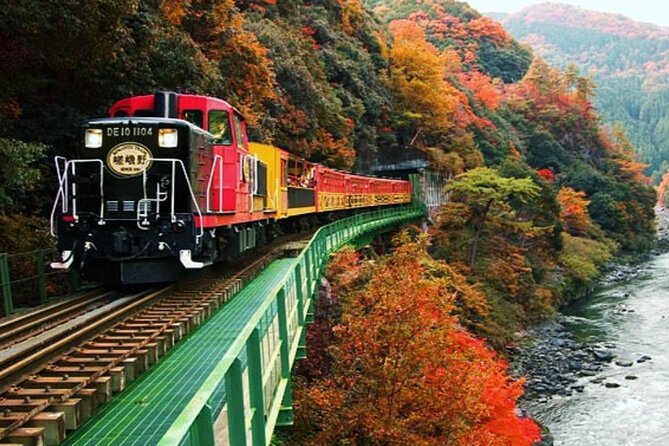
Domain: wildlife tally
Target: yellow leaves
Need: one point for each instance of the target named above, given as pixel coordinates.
(582, 256)
(416, 79)
(662, 196)
(452, 61)
(351, 10)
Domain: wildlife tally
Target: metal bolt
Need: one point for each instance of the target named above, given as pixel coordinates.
(26, 399)
(82, 366)
(66, 377)
(7, 412)
(111, 349)
(97, 357)
(47, 389)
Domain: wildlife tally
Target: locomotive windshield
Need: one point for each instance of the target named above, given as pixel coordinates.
(219, 126)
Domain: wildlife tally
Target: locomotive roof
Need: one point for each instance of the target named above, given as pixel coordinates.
(144, 120)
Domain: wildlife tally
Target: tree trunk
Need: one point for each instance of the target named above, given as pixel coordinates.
(477, 234)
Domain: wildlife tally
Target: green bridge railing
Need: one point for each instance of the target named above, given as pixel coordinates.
(255, 372)
(26, 279)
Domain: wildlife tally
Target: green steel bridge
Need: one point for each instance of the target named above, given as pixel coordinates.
(229, 382)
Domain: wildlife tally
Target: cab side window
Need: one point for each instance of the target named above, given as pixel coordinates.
(219, 126)
(193, 116)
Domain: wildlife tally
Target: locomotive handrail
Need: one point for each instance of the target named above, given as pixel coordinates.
(60, 193)
(253, 176)
(174, 162)
(219, 159)
(63, 193)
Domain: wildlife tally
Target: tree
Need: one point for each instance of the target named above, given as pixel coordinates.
(405, 372)
(19, 174)
(574, 211)
(487, 196)
(423, 101)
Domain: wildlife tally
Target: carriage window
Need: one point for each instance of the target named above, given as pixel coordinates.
(284, 173)
(219, 126)
(193, 116)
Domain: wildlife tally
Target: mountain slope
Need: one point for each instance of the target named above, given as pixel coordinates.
(627, 59)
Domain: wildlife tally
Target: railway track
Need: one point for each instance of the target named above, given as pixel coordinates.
(65, 373)
(20, 328)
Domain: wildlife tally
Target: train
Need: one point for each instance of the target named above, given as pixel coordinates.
(170, 182)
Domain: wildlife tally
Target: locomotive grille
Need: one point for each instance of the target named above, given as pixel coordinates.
(112, 205)
(128, 206)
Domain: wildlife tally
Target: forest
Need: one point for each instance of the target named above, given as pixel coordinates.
(626, 60)
(542, 194)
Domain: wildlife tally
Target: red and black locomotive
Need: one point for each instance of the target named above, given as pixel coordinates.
(170, 182)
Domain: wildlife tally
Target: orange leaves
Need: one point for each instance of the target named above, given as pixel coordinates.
(344, 269)
(174, 10)
(574, 211)
(662, 197)
(405, 372)
(623, 154)
(482, 88)
(488, 28)
(338, 153)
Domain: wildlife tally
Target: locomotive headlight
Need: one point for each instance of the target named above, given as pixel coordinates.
(93, 138)
(168, 137)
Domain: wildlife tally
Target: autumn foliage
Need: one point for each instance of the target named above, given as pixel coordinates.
(662, 196)
(574, 211)
(404, 370)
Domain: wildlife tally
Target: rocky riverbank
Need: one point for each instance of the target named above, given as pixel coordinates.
(557, 366)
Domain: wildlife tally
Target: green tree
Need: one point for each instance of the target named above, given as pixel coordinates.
(19, 173)
(488, 195)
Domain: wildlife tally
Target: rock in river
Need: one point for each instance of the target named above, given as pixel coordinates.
(624, 363)
(603, 355)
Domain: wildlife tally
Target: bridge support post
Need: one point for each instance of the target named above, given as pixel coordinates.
(300, 285)
(256, 393)
(202, 430)
(6, 285)
(286, 413)
(285, 417)
(235, 400)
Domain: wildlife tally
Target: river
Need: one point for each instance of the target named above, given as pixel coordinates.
(632, 319)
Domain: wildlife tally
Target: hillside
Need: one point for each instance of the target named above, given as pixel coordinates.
(541, 195)
(627, 59)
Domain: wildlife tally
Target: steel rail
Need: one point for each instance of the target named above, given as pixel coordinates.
(13, 329)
